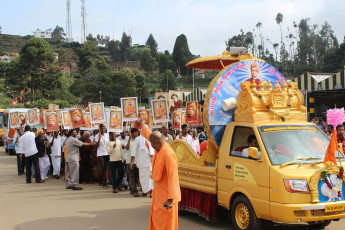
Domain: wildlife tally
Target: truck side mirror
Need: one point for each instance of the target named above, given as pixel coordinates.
(253, 153)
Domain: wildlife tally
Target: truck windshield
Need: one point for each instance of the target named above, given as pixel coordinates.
(286, 143)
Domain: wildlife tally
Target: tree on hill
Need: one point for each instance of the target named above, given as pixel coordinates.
(140, 87)
(167, 81)
(90, 59)
(153, 45)
(147, 62)
(126, 47)
(114, 48)
(181, 54)
(58, 34)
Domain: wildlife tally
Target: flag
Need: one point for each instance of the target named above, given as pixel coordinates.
(331, 149)
(15, 101)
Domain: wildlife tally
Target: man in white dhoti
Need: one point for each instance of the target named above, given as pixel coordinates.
(142, 152)
(55, 143)
(44, 162)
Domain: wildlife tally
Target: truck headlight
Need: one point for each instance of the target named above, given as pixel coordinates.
(298, 186)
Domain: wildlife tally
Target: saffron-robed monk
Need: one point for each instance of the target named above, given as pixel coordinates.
(166, 193)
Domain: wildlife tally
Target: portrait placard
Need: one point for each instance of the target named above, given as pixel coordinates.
(77, 118)
(97, 113)
(59, 116)
(51, 123)
(66, 120)
(161, 95)
(115, 123)
(176, 120)
(129, 107)
(183, 117)
(42, 112)
(23, 118)
(160, 110)
(33, 117)
(87, 119)
(192, 113)
(175, 100)
(14, 119)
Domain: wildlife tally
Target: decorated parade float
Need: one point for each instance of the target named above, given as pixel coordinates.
(263, 160)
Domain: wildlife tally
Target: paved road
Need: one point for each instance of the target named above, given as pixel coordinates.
(50, 206)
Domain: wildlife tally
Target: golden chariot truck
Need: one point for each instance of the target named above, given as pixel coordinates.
(264, 161)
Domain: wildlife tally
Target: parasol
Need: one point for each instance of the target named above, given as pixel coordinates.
(219, 61)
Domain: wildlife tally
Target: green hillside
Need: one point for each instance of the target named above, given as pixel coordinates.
(12, 43)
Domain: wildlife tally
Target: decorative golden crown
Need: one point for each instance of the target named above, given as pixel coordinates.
(261, 102)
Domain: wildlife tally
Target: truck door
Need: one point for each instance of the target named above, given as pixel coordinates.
(239, 173)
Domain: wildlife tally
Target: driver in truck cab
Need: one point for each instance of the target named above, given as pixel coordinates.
(252, 142)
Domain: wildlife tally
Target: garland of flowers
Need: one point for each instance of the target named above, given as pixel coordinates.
(335, 189)
(281, 115)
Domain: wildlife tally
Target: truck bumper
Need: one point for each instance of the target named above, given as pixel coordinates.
(297, 213)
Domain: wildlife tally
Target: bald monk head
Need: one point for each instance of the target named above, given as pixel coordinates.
(156, 140)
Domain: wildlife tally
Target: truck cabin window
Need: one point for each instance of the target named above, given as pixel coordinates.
(243, 138)
(287, 143)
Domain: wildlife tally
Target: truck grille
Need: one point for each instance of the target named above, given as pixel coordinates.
(299, 213)
(323, 213)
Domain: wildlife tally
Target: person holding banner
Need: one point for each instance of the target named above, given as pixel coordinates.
(142, 151)
(167, 137)
(101, 140)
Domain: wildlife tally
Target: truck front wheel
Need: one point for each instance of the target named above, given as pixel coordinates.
(243, 215)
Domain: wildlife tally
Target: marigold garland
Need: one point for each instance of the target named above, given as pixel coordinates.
(335, 189)
(281, 115)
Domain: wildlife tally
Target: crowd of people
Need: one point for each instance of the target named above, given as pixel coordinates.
(120, 160)
(328, 129)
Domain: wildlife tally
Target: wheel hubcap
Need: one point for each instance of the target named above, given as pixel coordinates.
(242, 216)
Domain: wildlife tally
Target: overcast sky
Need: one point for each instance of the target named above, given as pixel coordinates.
(207, 24)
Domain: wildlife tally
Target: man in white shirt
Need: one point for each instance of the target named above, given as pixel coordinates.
(19, 152)
(124, 141)
(31, 157)
(101, 140)
(252, 142)
(185, 136)
(133, 170)
(55, 143)
(114, 149)
(167, 137)
(142, 152)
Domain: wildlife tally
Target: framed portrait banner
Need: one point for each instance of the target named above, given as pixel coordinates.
(51, 123)
(161, 95)
(14, 120)
(183, 117)
(175, 100)
(115, 123)
(59, 116)
(97, 113)
(129, 107)
(66, 120)
(77, 117)
(160, 110)
(160, 124)
(42, 111)
(176, 120)
(23, 118)
(33, 117)
(192, 112)
(145, 114)
(87, 119)
(151, 123)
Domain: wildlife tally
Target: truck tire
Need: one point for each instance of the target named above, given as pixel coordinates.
(243, 215)
(320, 224)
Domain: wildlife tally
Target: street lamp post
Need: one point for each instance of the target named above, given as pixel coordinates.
(100, 96)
